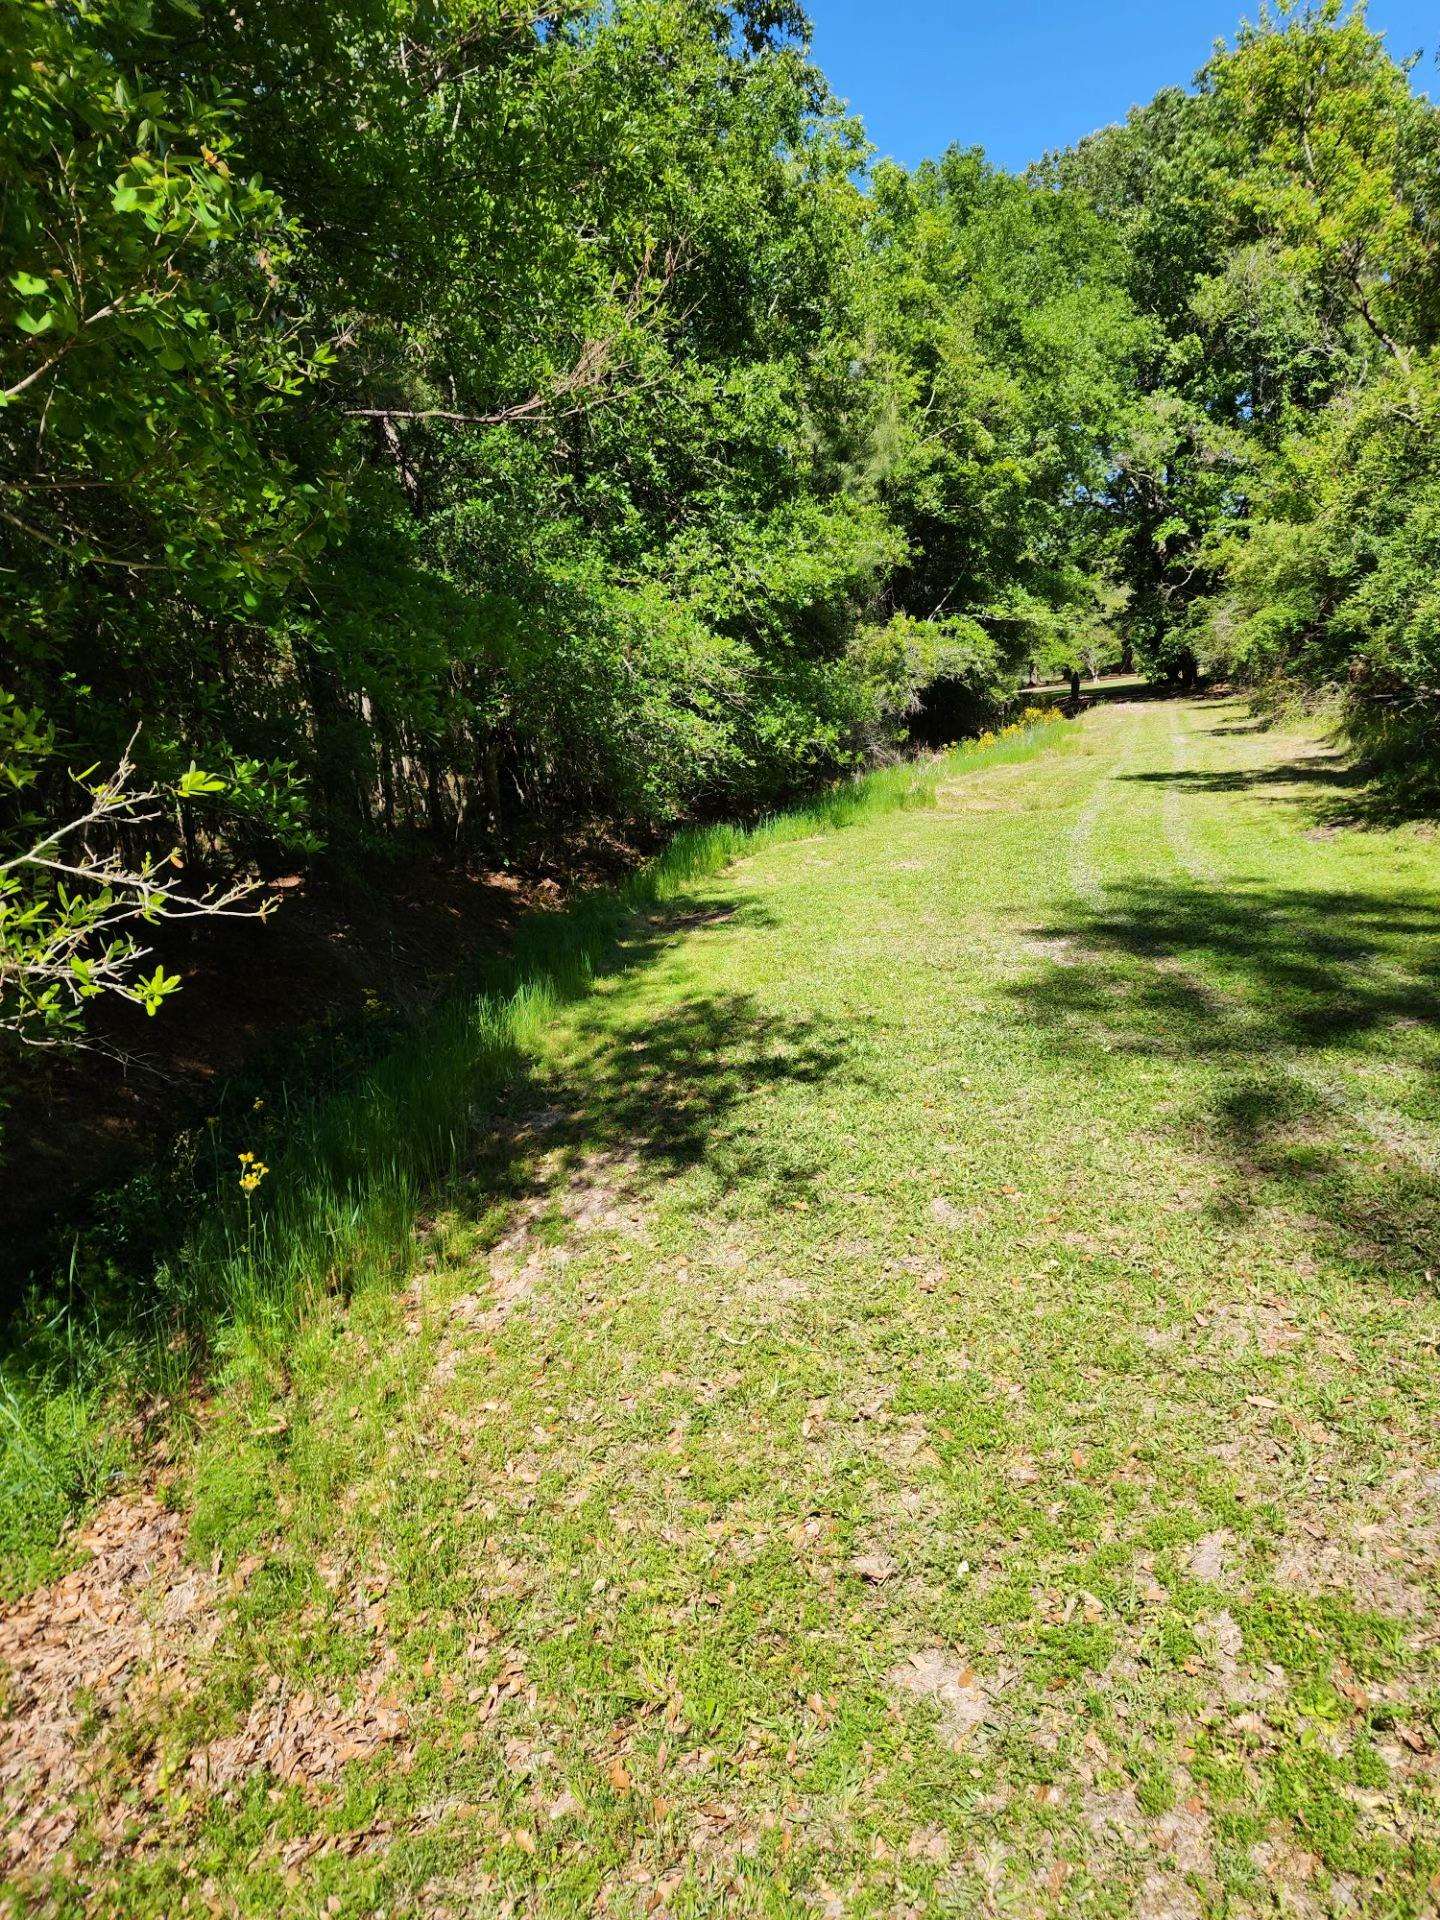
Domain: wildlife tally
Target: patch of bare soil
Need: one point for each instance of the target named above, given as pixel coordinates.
(1213, 1558)
(1267, 1325)
(1060, 951)
(965, 1700)
(306, 1738)
(1384, 1556)
(1173, 1851)
(599, 1194)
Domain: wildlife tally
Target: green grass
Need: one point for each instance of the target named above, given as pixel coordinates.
(915, 1393)
(337, 1209)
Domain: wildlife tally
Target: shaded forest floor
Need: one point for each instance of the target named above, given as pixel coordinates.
(331, 977)
(929, 1405)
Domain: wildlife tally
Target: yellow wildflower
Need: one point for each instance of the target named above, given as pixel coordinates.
(252, 1172)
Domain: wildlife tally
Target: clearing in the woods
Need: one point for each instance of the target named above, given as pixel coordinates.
(941, 1417)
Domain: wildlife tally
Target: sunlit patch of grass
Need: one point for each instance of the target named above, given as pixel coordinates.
(1307, 1634)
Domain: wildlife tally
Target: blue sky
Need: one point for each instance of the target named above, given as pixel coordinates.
(1018, 76)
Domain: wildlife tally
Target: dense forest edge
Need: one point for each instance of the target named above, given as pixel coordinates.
(446, 433)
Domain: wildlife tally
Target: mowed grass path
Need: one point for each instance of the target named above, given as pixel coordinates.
(941, 1420)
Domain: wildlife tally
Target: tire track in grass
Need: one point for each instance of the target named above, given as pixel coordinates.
(1086, 883)
(1177, 828)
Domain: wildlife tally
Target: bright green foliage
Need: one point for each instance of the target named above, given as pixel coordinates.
(641, 421)
(907, 659)
(594, 282)
(75, 906)
(144, 359)
(1007, 343)
(145, 512)
(1337, 579)
(471, 419)
(1274, 507)
(1341, 166)
(1332, 575)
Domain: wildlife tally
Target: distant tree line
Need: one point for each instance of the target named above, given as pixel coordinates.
(460, 419)
(1276, 502)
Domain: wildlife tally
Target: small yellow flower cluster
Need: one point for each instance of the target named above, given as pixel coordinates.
(252, 1172)
(1032, 716)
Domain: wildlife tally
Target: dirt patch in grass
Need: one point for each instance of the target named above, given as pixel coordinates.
(117, 1631)
(1058, 949)
(965, 1700)
(1175, 1849)
(1266, 1326)
(97, 1663)
(1386, 1560)
(304, 1738)
(1213, 1559)
(599, 1194)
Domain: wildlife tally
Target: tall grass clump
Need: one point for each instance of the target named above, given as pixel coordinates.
(89, 1367)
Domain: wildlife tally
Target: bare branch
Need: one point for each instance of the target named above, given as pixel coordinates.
(59, 949)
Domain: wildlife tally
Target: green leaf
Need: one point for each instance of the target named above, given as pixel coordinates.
(155, 989)
(195, 781)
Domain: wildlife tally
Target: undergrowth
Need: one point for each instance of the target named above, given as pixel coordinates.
(100, 1363)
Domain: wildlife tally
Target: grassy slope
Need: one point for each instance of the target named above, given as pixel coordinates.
(352, 1172)
(942, 1420)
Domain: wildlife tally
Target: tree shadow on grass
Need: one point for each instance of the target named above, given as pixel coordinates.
(1320, 778)
(687, 1088)
(433, 1104)
(1272, 989)
(1327, 784)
